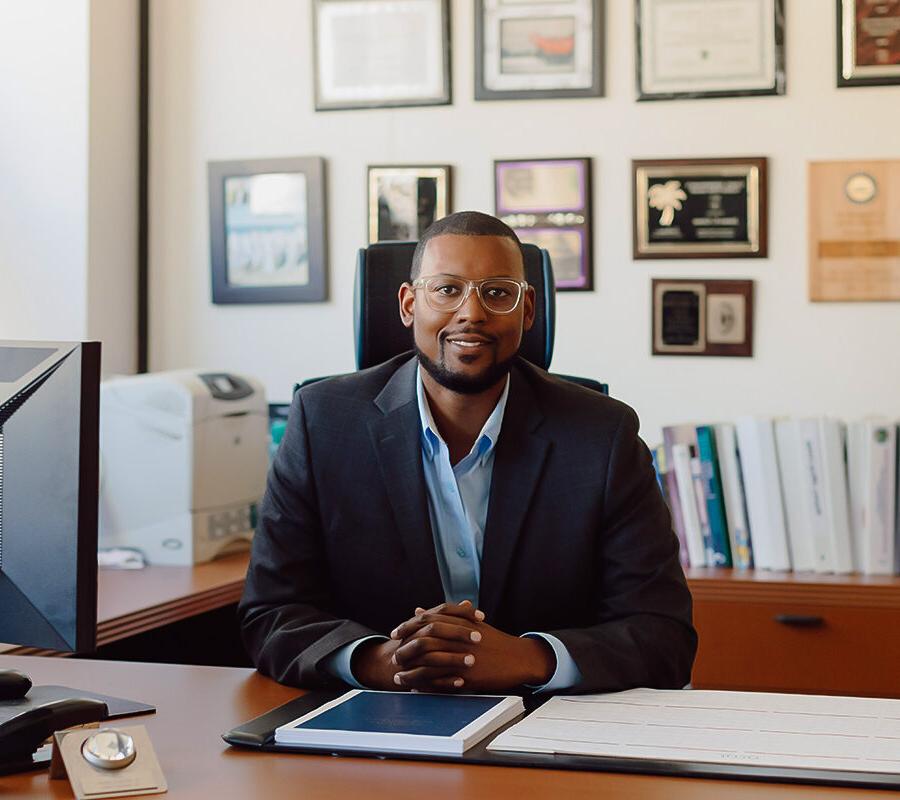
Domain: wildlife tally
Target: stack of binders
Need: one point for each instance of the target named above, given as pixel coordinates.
(811, 494)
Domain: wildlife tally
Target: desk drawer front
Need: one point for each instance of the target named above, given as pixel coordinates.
(793, 647)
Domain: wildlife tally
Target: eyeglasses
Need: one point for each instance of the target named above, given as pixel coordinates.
(447, 293)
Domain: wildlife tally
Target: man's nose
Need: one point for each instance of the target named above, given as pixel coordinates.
(471, 309)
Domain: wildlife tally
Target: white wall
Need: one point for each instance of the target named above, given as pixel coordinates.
(43, 169)
(234, 80)
(68, 173)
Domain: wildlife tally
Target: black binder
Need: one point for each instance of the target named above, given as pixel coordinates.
(259, 734)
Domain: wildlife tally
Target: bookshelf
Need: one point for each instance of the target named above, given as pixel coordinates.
(796, 632)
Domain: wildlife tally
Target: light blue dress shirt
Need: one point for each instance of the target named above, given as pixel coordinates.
(457, 506)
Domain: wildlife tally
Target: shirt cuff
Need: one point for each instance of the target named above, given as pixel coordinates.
(566, 674)
(338, 662)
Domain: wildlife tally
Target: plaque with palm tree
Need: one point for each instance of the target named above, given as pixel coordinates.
(700, 208)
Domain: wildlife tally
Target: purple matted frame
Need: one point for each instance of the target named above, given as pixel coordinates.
(543, 213)
(560, 283)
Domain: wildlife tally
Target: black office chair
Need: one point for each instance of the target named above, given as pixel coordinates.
(379, 334)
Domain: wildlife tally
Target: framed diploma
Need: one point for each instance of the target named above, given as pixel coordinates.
(854, 230)
(700, 208)
(364, 55)
(702, 318)
(405, 200)
(868, 43)
(527, 49)
(547, 202)
(709, 48)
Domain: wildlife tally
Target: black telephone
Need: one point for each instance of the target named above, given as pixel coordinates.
(23, 733)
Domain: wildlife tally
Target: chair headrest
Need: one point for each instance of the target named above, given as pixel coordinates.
(379, 334)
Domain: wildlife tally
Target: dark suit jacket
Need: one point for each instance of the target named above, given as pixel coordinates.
(578, 540)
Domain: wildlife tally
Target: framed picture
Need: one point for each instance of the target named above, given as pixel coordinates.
(854, 231)
(700, 208)
(381, 53)
(868, 42)
(547, 202)
(702, 318)
(709, 48)
(267, 230)
(405, 200)
(526, 49)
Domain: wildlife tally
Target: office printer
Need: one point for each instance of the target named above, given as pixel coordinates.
(183, 460)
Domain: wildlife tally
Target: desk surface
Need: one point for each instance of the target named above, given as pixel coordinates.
(196, 704)
(134, 601)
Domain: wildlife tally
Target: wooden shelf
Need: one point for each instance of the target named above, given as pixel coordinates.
(809, 587)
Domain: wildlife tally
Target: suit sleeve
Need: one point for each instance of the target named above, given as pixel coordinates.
(644, 636)
(286, 612)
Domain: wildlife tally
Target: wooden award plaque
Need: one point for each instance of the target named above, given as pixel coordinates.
(854, 230)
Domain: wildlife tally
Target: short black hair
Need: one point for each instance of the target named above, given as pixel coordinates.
(463, 223)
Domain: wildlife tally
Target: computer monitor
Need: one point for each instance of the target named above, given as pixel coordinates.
(49, 482)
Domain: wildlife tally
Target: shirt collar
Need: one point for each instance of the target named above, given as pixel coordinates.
(484, 442)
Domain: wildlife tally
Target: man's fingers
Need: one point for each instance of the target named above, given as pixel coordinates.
(428, 678)
(439, 626)
(434, 652)
(465, 609)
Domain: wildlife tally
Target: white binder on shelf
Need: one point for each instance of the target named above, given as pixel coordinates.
(872, 479)
(762, 486)
(823, 448)
(681, 462)
(796, 491)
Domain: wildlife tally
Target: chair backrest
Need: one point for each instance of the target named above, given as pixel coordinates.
(380, 270)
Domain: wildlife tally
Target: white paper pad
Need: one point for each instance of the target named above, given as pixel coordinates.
(756, 728)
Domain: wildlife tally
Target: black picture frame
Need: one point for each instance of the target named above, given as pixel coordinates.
(433, 200)
(304, 241)
(670, 208)
(326, 98)
(560, 224)
(778, 84)
(595, 50)
(849, 73)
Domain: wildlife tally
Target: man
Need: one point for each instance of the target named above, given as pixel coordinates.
(457, 519)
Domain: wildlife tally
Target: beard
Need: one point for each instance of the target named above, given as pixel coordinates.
(466, 384)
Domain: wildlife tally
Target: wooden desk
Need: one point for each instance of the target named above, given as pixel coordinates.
(130, 602)
(196, 704)
(134, 601)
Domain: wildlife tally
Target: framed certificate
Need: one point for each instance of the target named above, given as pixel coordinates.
(854, 230)
(405, 200)
(364, 55)
(267, 230)
(547, 202)
(700, 208)
(702, 318)
(526, 49)
(868, 44)
(709, 48)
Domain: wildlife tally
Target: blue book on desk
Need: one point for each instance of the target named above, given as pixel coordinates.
(401, 722)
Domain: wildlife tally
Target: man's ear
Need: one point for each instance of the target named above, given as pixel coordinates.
(406, 298)
(529, 301)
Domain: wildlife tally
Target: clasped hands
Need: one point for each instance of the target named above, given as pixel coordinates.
(451, 648)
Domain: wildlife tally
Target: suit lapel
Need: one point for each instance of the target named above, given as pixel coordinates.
(396, 437)
(518, 464)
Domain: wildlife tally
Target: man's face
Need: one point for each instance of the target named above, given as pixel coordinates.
(468, 350)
